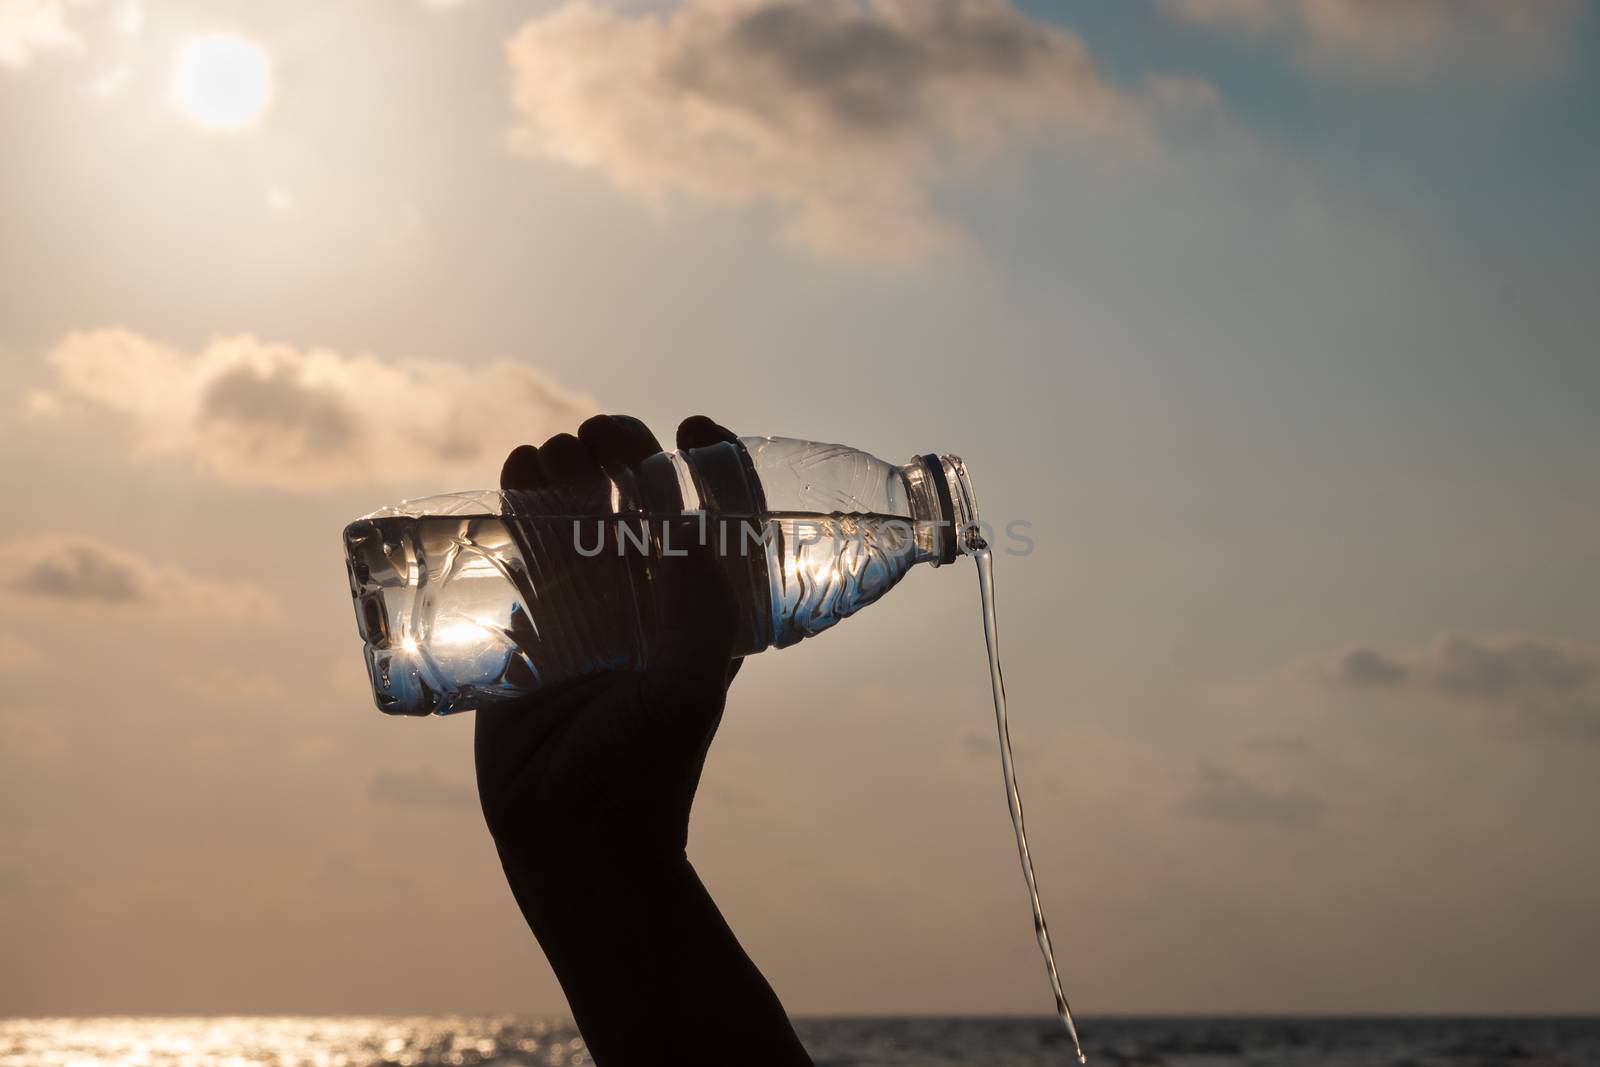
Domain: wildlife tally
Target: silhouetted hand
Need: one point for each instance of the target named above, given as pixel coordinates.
(587, 789)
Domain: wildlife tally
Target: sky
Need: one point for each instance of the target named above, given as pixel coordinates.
(1273, 318)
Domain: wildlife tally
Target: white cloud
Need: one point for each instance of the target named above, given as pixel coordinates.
(838, 113)
(1550, 685)
(1397, 38)
(29, 28)
(73, 571)
(40, 404)
(249, 411)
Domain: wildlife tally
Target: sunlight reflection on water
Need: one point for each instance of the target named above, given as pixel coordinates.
(930, 1041)
(424, 1041)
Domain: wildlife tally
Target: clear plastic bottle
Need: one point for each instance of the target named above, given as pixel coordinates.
(470, 599)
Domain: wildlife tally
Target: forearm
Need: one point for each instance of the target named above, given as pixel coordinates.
(651, 970)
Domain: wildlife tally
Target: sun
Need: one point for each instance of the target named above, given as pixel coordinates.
(222, 81)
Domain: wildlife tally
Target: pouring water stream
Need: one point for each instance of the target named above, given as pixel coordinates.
(979, 550)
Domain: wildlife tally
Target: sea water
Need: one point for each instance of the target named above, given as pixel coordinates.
(855, 1041)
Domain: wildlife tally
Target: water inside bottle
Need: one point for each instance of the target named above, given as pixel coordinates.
(824, 568)
(984, 558)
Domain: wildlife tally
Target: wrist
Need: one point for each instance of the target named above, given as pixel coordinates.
(582, 872)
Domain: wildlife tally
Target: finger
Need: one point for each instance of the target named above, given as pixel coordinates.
(618, 440)
(707, 650)
(698, 430)
(569, 466)
(521, 469)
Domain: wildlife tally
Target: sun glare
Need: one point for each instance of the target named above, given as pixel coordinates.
(222, 81)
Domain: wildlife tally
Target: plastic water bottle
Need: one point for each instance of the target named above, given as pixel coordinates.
(471, 599)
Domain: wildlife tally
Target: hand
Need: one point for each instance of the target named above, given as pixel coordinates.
(587, 789)
(615, 757)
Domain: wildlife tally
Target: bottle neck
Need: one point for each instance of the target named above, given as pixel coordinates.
(944, 508)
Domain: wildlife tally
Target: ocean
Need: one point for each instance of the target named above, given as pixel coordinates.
(460, 1041)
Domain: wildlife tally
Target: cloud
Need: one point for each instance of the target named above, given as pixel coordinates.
(838, 113)
(969, 751)
(419, 788)
(1551, 685)
(29, 28)
(1404, 38)
(74, 571)
(1225, 795)
(249, 411)
(1365, 666)
(975, 744)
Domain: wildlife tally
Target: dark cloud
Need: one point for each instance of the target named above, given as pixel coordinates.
(1514, 670)
(82, 571)
(422, 788)
(1225, 795)
(1548, 684)
(72, 570)
(1365, 666)
(270, 408)
(977, 744)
